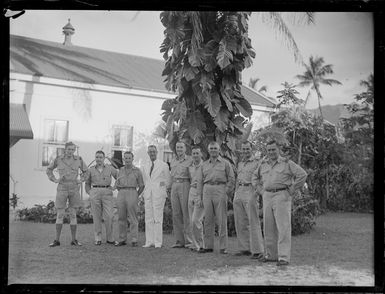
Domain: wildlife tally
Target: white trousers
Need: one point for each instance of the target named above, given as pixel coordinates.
(153, 217)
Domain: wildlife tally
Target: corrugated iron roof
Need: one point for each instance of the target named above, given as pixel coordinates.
(19, 125)
(89, 65)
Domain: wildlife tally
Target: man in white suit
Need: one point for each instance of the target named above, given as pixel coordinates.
(157, 180)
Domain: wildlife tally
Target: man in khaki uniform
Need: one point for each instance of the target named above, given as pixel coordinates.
(179, 196)
(246, 210)
(277, 179)
(195, 205)
(68, 166)
(129, 184)
(215, 181)
(98, 186)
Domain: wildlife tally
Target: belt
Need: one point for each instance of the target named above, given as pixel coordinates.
(181, 180)
(244, 184)
(100, 186)
(125, 188)
(215, 183)
(275, 190)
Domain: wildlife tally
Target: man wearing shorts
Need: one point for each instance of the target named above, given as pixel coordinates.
(68, 167)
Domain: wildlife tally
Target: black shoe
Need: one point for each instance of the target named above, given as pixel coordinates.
(177, 246)
(223, 251)
(110, 242)
(258, 256)
(282, 263)
(98, 243)
(76, 243)
(121, 243)
(243, 253)
(201, 250)
(134, 244)
(54, 243)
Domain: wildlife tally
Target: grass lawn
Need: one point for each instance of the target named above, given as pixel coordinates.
(339, 251)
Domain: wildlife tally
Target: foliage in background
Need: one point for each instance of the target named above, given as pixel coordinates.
(205, 53)
(315, 75)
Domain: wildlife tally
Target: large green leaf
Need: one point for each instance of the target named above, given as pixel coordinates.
(226, 97)
(189, 72)
(221, 120)
(213, 103)
(224, 56)
(244, 107)
(196, 126)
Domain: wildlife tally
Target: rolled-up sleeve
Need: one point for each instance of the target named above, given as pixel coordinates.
(299, 175)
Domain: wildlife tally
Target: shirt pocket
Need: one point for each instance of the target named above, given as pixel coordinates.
(220, 172)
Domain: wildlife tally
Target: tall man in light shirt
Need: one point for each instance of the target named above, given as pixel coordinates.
(157, 180)
(277, 179)
(215, 181)
(246, 210)
(180, 195)
(130, 185)
(68, 166)
(195, 205)
(98, 186)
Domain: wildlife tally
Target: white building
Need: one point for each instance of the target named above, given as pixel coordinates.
(97, 99)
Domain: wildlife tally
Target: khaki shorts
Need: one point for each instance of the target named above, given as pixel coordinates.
(68, 191)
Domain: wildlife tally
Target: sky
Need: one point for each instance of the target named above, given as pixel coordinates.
(343, 39)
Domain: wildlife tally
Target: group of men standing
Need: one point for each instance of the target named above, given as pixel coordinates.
(199, 193)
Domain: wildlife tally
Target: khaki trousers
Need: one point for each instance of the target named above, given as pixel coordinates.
(102, 208)
(215, 206)
(127, 203)
(196, 213)
(180, 215)
(277, 224)
(247, 224)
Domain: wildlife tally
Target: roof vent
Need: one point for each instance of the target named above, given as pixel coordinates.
(68, 31)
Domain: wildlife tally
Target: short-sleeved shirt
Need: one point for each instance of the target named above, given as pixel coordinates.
(245, 170)
(280, 174)
(180, 167)
(68, 168)
(129, 178)
(101, 178)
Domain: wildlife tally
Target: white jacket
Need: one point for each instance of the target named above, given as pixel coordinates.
(157, 183)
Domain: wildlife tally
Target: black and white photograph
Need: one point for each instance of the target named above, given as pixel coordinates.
(191, 148)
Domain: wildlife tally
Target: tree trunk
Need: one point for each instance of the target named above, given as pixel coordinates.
(300, 152)
(319, 101)
(327, 187)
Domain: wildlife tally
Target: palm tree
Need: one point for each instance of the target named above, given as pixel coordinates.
(253, 84)
(315, 75)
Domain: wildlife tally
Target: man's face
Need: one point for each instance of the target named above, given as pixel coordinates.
(196, 155)
(99, 158)
(70, 150)
(180, 149)
(272, 151)
(246, 150)
(128, 159)
(214, 150)
(152, 153)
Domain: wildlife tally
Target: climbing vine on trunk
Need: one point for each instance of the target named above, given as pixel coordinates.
(205, 53)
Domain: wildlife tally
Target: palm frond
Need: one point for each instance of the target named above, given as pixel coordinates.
(330, 82)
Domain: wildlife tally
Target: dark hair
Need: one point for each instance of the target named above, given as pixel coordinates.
(180, 142)
(100, 152)
(214, 143)
(152, 146)
(70, 143)
(196, 147)
(271, 142)
(128, 152)
(247, 142)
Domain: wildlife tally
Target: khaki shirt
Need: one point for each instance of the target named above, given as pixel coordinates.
(129, 178)
(281, 174)
(68, 169)
(100, 178)
(219, 170)
(179, 168)
(193, 173)
(245, 171)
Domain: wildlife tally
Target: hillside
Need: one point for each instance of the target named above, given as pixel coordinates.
(332, 113)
